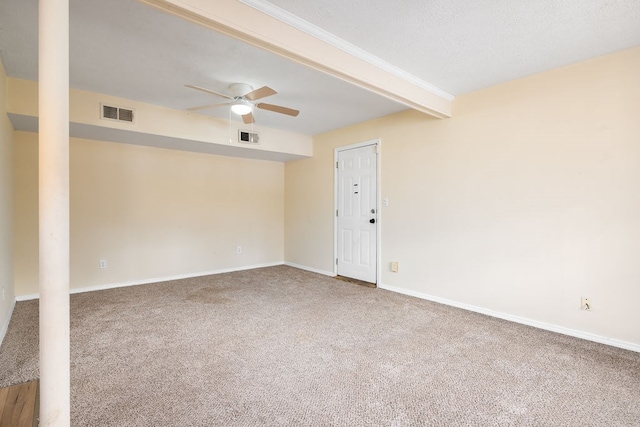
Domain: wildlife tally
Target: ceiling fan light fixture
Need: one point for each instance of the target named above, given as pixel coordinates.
(244, 100)
(241, 108)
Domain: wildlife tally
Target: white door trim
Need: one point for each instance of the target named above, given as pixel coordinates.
(378, 143)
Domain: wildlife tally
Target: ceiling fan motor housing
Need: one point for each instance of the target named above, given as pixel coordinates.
(238, 90)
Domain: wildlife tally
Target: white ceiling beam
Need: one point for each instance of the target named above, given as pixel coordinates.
(246, 23)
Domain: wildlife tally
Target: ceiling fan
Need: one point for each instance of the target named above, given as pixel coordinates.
(242, 101)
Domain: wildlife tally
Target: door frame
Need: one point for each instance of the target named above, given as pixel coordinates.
(378, 144)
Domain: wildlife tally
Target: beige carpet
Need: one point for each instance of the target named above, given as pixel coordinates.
(281, 346)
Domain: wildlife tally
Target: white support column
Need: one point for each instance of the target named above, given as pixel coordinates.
(54, 212)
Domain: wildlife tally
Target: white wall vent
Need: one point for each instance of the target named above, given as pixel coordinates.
(248, 137)
(110, 112)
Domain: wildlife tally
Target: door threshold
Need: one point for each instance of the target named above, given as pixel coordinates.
(357, 282)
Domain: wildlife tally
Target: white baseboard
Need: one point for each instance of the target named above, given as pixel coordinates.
(154, 280)
(7, 319)
(517, 319)
(27, 297)
(311, 269)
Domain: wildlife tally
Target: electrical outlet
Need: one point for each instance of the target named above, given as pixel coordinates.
(585, 303)
(239, 250)
(394, 266)
(103, 263)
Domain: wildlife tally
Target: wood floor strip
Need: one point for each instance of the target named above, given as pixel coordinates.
(4, 392)
(18, 405)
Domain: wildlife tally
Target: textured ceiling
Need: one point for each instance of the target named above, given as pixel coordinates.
(465, 45)
(127, 49)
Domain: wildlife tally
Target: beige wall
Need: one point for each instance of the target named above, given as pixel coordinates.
(6, 207)
(522, 203)
(152, 213)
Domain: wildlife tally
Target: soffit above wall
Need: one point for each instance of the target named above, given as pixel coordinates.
(100, 133)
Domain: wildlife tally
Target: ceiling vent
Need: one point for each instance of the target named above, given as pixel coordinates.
(248, 137)
(110, 112)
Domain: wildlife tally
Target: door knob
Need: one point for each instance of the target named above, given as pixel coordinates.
(372, 220)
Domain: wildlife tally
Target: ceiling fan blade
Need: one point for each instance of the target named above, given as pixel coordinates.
(263, 92)
(248, 119)
(209, 91)
(206, 107)
(278, 109)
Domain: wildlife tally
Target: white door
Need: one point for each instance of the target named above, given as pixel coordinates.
(357, 215)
